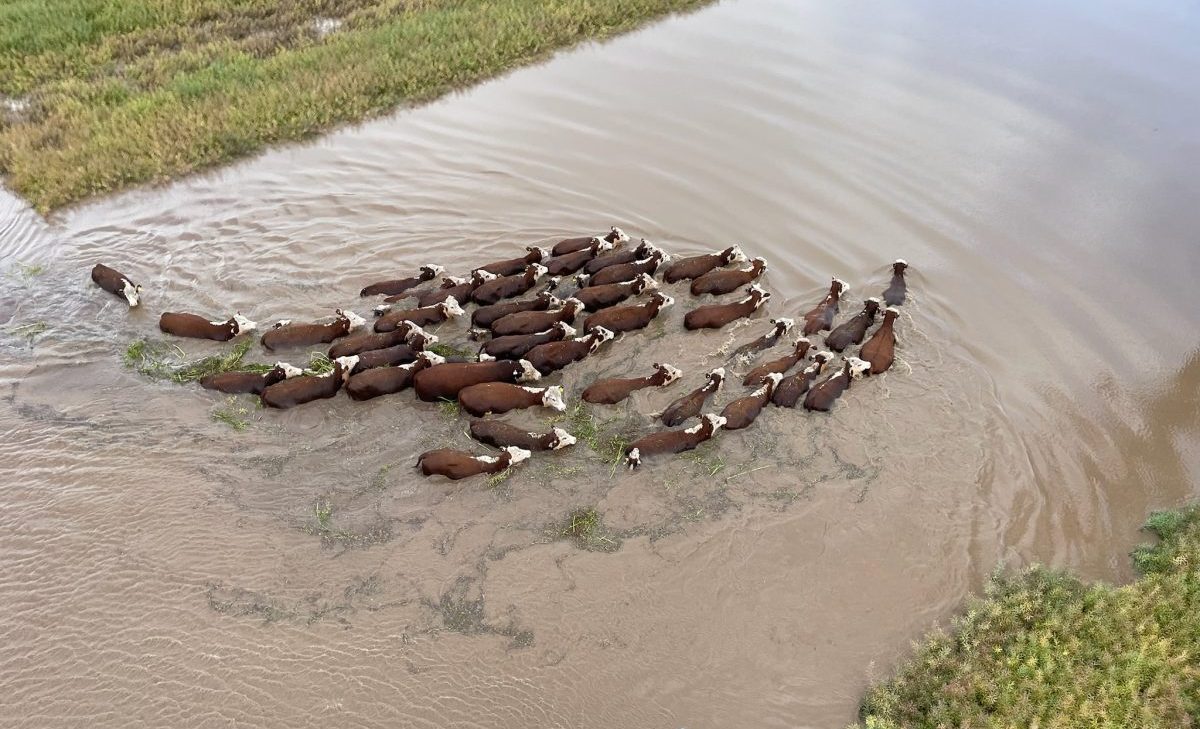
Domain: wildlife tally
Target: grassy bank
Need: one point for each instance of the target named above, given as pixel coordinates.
(98, 95)
(1042, 649)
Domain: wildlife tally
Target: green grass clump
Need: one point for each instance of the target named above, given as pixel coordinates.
(605, 438)
(1044, 649)
(499, 477)
(27, 271)
(29, 332)
(233, 415)
(98, 95)
(449, 409)
(162, 361)
(319, 364)
(585, 527)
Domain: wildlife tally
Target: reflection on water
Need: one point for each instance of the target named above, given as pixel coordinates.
(1036, 165)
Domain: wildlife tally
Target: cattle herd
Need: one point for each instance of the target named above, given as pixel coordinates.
(528, 331)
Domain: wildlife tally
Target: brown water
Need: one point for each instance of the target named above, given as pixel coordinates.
(1036, 166)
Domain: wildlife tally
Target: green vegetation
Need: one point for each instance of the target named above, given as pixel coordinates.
(319, 364)
(499, 477)
(29, 332)
(163, 361)
(448, 409)
(1042, 649)
(607, 438)
(98, 95)
(233, 415)
(27, 271)
(585, 527)
(322, 526)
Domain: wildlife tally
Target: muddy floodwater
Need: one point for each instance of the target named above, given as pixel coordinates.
(1036, 165)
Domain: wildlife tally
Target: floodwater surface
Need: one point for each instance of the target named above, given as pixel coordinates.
(1037, 167)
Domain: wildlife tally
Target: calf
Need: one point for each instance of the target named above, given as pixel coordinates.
(197, 327)
(853, 330)
(529, 322)
(377, 381)
(571, 245)
(506, 287)
(672, 441)
(485, 315)
(770, 339)
(880, 349)
(724, 282)
(555, 355)
(697, 266)
(116, 284)
(758, 375)
(423, 316)
(741, 412)
(454, 464)
(239, 383)
(395, 286)
(626, 255)
(820, 317)
(515, 346)
(303, 335)
(715, 316)
(629, 318)
(499, 434)
(822, 395)
(572, 262)
(625, 271)
(897, 291)
(444, 381)
(500, 397)
(690, 404)
(613, 390)
(788, 391)
(405, 333)
(512, 266)
(595, 298)
(306, 388)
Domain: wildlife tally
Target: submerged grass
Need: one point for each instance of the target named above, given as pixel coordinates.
(98, 96)
(27, 271)
(605, 438)
(449, 409)
(29, 332)
(1044, 649)
(586, 528)
(232, 414)
(163, 361)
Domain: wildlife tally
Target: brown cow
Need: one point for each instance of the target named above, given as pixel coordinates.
(715, 316)
(672, 441)
(725, 282)
(822, 395)
(197, 327)
(880, 349)
(455, 464)
(395, 286)
(614, 389)
(697, 266)
(571, 245)
(117, 284)
(286, 334)
(820, 317)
